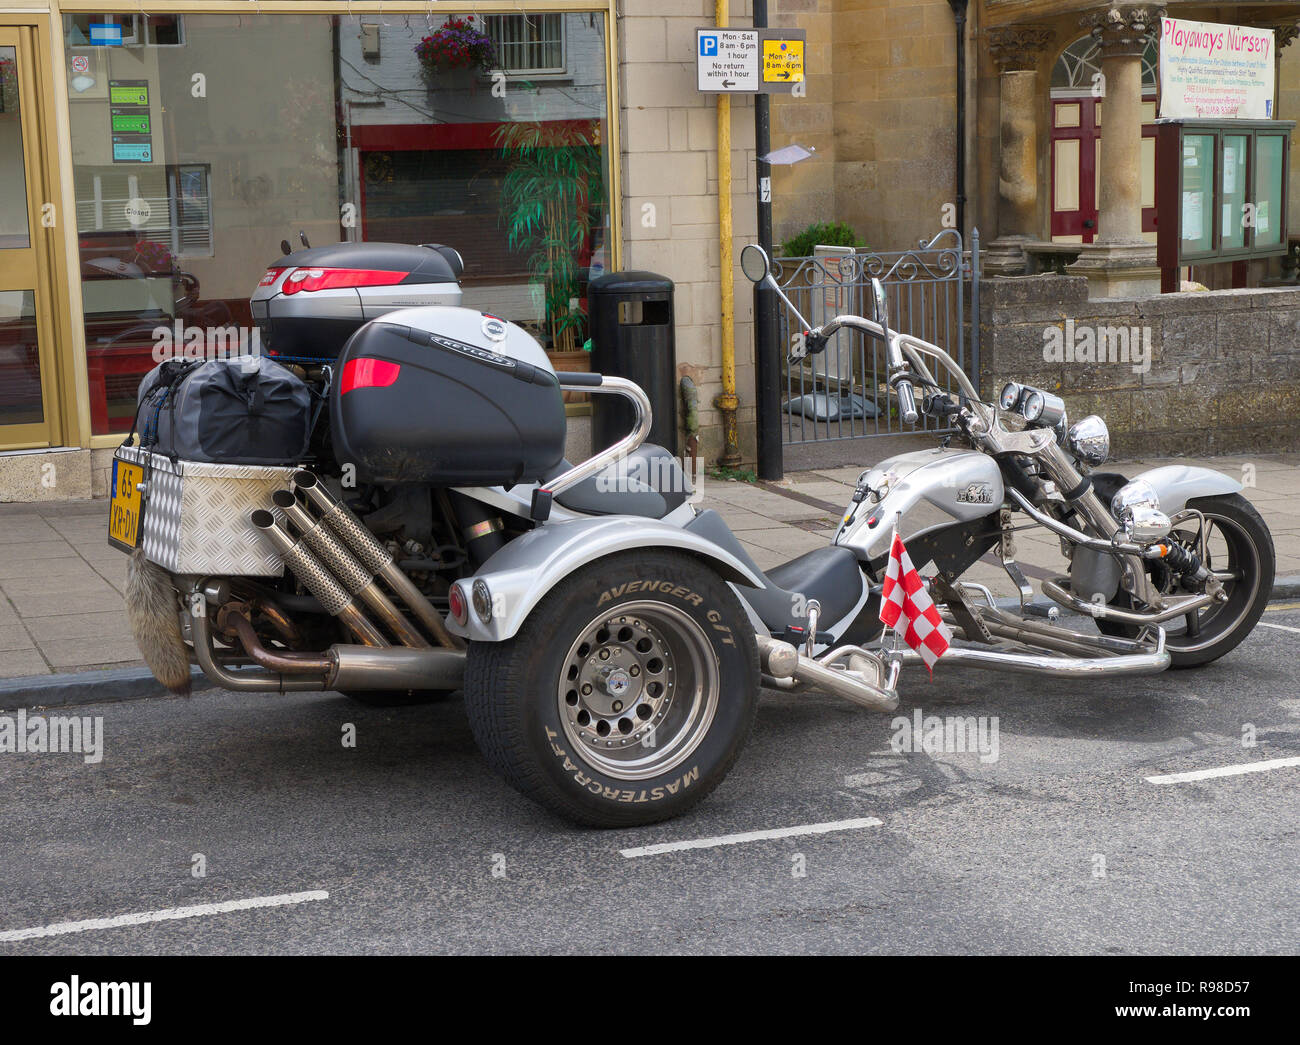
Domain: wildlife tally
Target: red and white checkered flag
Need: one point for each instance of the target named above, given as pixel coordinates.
(903, 596)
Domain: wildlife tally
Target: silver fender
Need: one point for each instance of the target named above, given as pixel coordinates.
(519, 576)
(1176, 484)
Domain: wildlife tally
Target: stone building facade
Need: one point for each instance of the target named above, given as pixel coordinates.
(881, 108)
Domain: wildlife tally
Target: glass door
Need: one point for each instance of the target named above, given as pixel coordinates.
(27, 378)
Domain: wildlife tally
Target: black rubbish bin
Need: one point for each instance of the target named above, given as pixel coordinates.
(632, 337)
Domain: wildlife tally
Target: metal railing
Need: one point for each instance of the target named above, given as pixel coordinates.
(842, 393)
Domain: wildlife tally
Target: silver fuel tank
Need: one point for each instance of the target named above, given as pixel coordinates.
(925, 489)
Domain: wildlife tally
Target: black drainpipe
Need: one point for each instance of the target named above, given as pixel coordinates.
(959, 13)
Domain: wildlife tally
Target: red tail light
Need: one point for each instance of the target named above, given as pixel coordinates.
(368, 373)
(327, 279)
(458, 606)
(271, 276)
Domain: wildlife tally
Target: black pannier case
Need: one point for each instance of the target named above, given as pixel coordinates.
(455, 415)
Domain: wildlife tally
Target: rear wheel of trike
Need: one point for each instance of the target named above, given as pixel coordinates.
(627, 694)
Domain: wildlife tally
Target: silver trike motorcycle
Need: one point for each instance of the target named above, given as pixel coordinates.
(611, 637)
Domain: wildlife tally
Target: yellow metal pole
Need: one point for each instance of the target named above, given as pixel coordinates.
(726, 401)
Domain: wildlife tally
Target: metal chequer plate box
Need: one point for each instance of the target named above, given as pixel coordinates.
(196, 515)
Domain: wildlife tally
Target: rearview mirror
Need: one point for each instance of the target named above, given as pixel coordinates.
(754, 263)
(881, 304)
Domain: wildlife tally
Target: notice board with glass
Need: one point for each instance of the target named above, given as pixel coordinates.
(1228, 179)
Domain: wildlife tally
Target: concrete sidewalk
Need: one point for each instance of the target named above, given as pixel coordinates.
(61, 584)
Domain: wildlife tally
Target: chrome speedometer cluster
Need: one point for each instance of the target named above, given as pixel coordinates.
(1033, 404)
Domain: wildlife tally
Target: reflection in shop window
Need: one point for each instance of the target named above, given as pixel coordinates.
(528, 43)
(323, 126)
(125, 30)
(191, 214)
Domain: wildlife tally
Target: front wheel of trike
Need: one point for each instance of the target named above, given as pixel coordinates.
(1238, 547)
(627, 694)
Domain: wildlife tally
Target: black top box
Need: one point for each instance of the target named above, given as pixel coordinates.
(416, 406)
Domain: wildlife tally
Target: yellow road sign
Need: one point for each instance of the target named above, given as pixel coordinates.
(783, 61)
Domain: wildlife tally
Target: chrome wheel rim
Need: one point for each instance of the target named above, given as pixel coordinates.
(638, 690)
(1233, 557)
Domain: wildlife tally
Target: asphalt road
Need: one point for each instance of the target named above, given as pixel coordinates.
(1060, 846)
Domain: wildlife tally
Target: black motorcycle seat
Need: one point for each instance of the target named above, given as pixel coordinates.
(649, 482)
(831, 575)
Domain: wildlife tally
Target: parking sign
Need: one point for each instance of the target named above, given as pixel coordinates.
(726, 60)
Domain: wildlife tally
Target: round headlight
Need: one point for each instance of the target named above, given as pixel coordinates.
(1146, 525)
(1138, 493)
(1089, 439)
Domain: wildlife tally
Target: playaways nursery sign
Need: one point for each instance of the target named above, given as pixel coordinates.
(1215, 72)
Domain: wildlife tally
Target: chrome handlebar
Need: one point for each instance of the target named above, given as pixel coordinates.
(899, 368)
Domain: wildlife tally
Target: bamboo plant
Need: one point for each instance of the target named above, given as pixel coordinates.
(547, 199)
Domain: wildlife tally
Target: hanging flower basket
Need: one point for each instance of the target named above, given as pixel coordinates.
(457, 45)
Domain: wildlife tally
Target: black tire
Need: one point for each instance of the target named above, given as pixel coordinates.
(1221, 626)
(664, 616)
(396, 698)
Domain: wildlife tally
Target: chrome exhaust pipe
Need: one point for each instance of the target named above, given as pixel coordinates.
(1066, 642)
(1053, 667)
(359, 667)
(373, 555)
(354, 577)
(780, 660)
(339, 667)
(318, 580)
(246, 680)
(1057, 590)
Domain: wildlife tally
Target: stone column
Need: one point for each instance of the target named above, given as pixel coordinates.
(1120, 263)
(1284, 35)
(1015, 50)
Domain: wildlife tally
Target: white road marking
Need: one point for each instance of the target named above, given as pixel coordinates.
(1208, 774)
(753, 836)
(1279, 627)
(169, 914)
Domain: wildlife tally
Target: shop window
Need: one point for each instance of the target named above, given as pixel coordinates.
(466, 185)
(135, 30)
(172, 204)
(183, 201)
(531, 44)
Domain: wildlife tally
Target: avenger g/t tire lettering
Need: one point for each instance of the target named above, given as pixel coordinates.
(627, 694)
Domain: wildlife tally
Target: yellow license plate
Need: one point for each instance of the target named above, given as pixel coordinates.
(126, 505)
